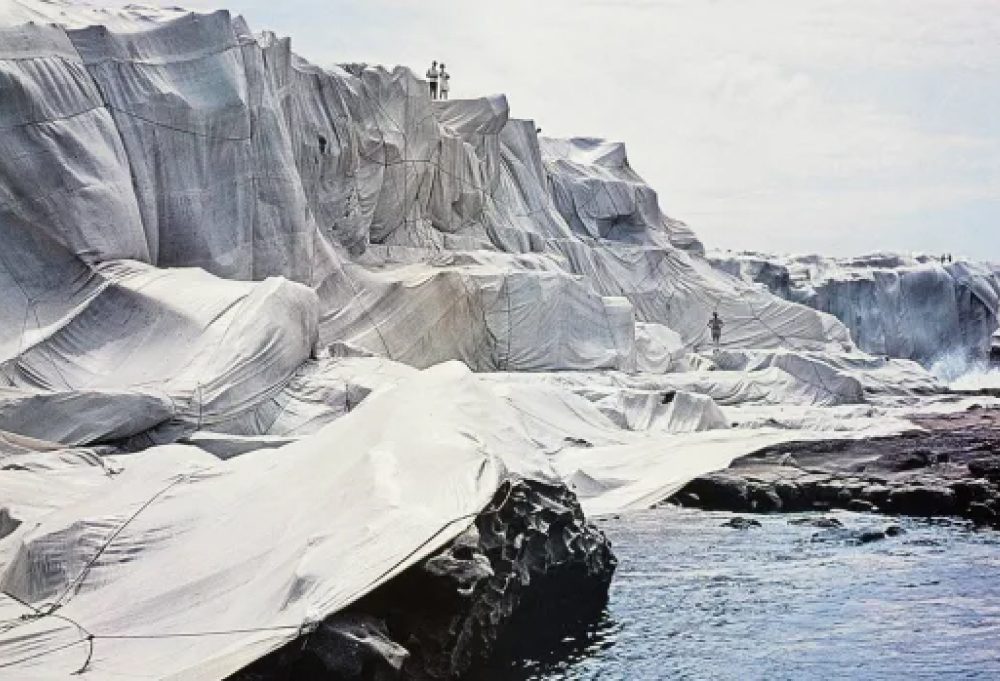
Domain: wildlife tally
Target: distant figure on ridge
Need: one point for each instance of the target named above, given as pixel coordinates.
(715, 324)
(443, 87)
(432, 78)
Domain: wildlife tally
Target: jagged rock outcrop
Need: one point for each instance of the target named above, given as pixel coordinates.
(530, 566)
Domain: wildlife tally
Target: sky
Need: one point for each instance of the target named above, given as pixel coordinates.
(833, 126)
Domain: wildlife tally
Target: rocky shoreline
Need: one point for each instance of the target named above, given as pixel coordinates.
(951, 467)
(531, 563)
(532, 567)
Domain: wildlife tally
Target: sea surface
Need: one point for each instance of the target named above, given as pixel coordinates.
(695, 600)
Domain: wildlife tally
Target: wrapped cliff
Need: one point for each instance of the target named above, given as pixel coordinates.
(920, 308)
(272, 334)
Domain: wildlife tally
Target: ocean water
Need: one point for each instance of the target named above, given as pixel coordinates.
(695, 600)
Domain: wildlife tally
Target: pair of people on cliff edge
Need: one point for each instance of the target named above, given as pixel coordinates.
(438, 79)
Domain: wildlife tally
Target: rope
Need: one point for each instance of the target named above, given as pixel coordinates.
(114, 535)
(198, 634)
(90, 638)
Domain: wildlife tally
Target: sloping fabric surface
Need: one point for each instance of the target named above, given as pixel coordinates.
(186, 544)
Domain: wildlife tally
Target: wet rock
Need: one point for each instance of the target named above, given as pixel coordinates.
(357, 646)
(986, 467)
(790, 494)
(904, 461)
(763, 498)
(894, 531)
(688, 499)
(877, 495)
(832, 492)
(969, 491)
(531, 566)
(739, 523)
(922, 501)
(944, 469)
(823, 522)
(850, 537)
(982, 513)
(721, 492)
(860, 506)
(344, 646)
(869, 536)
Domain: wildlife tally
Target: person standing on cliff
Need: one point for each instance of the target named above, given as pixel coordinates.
(715, 324)
(443, 87)
(432, 78)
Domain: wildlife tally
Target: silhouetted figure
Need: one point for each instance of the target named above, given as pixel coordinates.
(432, 78)
(715, 324)
(443, 86)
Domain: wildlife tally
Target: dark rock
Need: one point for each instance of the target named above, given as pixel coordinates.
(875, 494)
(986, 467)
(817, 522)
(831, 492)
(344, 646)
(354, 645)
(894, 531)
(982, 513)
(688, 499)
(763, 498)
(843, 535)
(530, 567)
(721, 492)
(868, 536)
(791, 495)
(969, 491)
(739, 523)
(860, 505)
(942, 469)
(8, 523)
(922, 500)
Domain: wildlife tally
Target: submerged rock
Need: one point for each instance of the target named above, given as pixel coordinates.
(817, 522)
(741, 523)
(926, 500)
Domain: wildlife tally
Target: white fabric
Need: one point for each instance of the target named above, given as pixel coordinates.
(206, 240)
(181, 526)
(914, 308)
